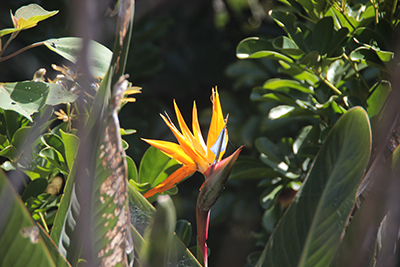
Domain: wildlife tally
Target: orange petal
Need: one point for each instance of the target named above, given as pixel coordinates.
(187, 147)
(171, 150)
(216, 125)
(197, 131)
(188, 134)
(172, 180)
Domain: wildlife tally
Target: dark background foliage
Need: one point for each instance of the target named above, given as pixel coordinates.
(179, 50)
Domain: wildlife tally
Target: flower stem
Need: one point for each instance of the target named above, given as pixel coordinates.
(21, 50)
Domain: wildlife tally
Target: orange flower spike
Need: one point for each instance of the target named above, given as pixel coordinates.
(192, 152)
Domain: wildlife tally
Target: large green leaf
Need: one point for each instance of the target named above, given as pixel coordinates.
(155, 167)
(28, 97)
(69, 47)
(25, 98)
(310, 231)
(360, 244)
(20, 242)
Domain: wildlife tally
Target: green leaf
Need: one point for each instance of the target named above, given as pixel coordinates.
(277, 84)
(28, 16)
(35, 188)
(20, 242)
(353, 17)
(183, 230)
(323, 34)
(54, 141)
(298, 73)
(361, 243)
(376, 102)
(70, 206)
(55, 158)
(267, 147)
(287, 21)
(155, 167)
(20, 137)
(25, 98)
(127, 131)
(57, 95)
(310, 231)
(287, 47)
(254, 47)
(71, 143)
(69, 48)
(132, 170)
(369, 57)
(8, 31)
(9, 152)
(162, 246)
(269, 196)
(250, 168)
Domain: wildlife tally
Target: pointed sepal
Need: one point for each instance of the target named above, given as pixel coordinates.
(216, 177)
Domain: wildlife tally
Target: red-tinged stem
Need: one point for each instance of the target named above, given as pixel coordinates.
(202, 220)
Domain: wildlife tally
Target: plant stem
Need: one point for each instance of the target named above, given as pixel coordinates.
(329, 84)
(44, 222)
(13, 35)
(21, 50)
(356, 70)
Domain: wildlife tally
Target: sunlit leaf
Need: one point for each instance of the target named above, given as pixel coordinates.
(155, 167)
(25, 98)
(254, 47)
(69, 47)
(28, 16)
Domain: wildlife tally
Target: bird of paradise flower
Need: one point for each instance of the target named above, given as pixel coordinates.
(196, 155)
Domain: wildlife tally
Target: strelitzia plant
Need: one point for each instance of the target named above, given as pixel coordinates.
(196, 155)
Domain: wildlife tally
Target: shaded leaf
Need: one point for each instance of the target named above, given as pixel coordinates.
(250, 168)
(183, 230)
(35, 188)
(20, 242)
(310, 231)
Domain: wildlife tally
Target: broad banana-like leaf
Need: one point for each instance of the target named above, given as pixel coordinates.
(310, 231)
(77, 204)
(360, 241)
(108, 239)
(144, 221)
(161, 246)
(22, 242)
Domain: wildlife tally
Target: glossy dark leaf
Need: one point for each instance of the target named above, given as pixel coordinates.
(255, 47)
(35, 188)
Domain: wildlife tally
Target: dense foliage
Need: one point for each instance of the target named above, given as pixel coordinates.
(312, 96)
